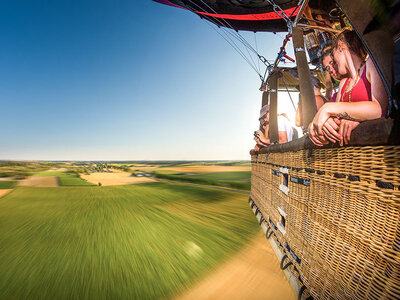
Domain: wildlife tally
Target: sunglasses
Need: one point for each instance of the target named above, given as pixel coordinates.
(263, 123)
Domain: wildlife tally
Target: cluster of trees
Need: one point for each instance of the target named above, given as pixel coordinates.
(122, 167)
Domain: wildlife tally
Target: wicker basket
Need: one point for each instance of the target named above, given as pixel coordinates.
(335, 214)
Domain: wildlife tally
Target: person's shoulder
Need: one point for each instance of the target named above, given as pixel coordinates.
(369, 65)
(370, 69)
(282, 119)
(282, 122)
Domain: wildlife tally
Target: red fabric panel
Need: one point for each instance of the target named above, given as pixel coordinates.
(252, 17)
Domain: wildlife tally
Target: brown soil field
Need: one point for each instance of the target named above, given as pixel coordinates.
(254, 273)
(115, 178)
(200, 169)
(39, 181)
(4, 192)
(7, 178)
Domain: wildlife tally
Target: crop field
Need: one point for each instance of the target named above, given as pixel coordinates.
(7, 184)
(143, 241)
(50, 173)
(72, 180)
(236, 180)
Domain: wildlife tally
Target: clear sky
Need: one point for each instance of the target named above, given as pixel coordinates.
(123, 80)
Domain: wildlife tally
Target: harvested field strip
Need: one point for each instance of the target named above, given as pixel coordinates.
(5, 192)
(40, 181)
(115, 178)
(120, 242)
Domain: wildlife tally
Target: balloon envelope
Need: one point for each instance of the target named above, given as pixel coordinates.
(249, 15)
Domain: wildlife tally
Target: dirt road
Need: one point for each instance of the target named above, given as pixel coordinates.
(253, 273)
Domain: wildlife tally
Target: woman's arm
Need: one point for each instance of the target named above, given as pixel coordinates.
(353, 111)
(282, 137)
(299, 119)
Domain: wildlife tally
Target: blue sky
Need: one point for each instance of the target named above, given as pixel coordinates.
(119, 80)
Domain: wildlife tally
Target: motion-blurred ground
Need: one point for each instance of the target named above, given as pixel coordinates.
(64, 237)
(125, 242)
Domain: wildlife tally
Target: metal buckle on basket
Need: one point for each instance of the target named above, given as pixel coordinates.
(309, 154)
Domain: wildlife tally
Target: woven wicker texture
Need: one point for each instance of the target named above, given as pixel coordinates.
(335, 213)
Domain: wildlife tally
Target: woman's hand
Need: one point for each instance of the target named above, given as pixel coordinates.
(321, 117)
(331, 130)
(346, 127)
(317, 139)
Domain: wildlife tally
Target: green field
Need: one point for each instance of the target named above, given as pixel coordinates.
(7, 184)
(236, 180)
(144, 241)
(49, 173)
(72, 180)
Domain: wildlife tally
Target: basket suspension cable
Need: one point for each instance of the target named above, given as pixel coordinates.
(290, 25)
(272, 68)
(297, 6)
(280, 12)
(224, 22)
(255, 42)
(227, 33)
(300, 13)
(237, 49)
(232, 43)
(237, 36)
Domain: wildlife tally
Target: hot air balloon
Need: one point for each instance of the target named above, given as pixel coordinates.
(332, 212)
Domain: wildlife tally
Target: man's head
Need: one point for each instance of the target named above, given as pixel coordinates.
(264, 115)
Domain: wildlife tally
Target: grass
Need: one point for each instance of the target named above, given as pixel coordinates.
(144, 241)
(236, 180)
(7, 184)
(72, 180)
(50, 173)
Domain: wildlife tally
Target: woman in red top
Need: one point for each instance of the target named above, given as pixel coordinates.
(361, 97)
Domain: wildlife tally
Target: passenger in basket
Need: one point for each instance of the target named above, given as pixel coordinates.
(261, 136)
(286, 131)
(361, 97)
(330, 71)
